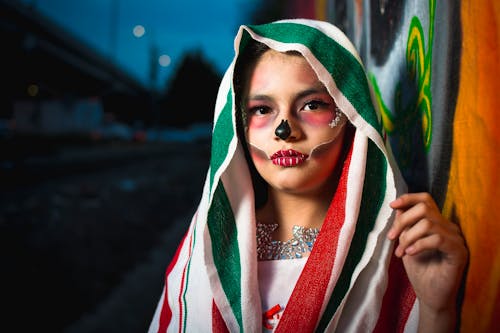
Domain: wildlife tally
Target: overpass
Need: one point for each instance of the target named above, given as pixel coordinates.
(40, 61)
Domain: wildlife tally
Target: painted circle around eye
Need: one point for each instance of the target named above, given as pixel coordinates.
(316, 118)
(257, 120)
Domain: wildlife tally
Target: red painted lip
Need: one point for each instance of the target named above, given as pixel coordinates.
(288, 158)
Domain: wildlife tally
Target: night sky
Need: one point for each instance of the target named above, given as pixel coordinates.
(172, 27)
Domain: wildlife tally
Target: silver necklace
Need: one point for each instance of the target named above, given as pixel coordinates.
(268, 249)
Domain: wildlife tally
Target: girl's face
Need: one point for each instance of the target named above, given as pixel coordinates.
(285, 87)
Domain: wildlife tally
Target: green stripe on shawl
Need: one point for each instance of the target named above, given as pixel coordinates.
(186, 286)
(225, 250)
(340, 63)
(373, 193)
(222, 135)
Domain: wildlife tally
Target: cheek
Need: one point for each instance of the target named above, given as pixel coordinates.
(258, 156)
(256, 123)
(317, 118)
(257, 130)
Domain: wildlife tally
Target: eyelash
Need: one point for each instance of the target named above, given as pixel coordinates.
(259, 110)
(263, 109)
(317, 103)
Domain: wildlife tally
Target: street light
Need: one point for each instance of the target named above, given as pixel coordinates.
(139, 31)
(164, 60)
(155, 58)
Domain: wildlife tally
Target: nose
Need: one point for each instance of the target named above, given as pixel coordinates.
(287, 130)
(283, 130)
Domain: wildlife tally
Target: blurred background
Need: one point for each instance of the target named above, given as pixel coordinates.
(105, 124)
(105, 127)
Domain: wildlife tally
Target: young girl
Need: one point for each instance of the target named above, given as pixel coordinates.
(304, 224)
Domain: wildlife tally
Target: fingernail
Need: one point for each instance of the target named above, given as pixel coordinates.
(410, 249)
(390, 234)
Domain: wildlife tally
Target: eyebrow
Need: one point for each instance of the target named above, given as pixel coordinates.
(316, 89)
(320, 89)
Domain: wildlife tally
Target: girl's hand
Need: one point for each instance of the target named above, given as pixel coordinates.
(433, 252)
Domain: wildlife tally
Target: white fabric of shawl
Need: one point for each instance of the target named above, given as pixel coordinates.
(211, 283)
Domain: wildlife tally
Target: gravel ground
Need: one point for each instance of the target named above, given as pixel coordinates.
(86, 234)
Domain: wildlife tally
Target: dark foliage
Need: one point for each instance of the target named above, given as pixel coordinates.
(191, 94)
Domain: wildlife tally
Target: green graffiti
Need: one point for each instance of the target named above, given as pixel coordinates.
(419, 67)
(387, 117)
(413, 109)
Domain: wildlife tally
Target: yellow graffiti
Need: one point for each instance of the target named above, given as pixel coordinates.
(415, 48)
(424, 103)
(387, 119)
(419, 67)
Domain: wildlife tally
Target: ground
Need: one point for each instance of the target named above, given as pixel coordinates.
(86, 233)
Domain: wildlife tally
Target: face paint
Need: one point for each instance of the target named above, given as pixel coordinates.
(323, 147)
(306, 158)
(288, 158)
(258, 154)
(308, 118)
(283, 131)
(291, 157)
(317, 119)
(259, 122)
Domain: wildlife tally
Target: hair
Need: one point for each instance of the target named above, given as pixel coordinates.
(245, 63)
(247, 59)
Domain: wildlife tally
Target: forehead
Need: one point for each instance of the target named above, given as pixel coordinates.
(276, 68)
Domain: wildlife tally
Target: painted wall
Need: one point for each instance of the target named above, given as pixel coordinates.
(435, 66)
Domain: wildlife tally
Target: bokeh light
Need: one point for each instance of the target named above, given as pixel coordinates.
(139, 31)
(32, 90)
(164, 60)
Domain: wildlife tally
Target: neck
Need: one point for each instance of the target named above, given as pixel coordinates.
(306, 209)
(288, 209)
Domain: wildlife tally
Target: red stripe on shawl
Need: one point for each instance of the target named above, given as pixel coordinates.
(218, 324)
(303, 309)
(398, 300)
(166, 312)
(183, 280)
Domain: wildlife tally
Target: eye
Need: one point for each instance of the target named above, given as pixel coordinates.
(259, 110)
(315, 105)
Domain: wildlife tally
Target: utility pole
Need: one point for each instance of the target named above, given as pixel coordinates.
(113, 27)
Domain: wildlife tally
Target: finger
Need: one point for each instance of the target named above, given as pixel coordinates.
(406, 219)
(449, 245)
(432, 242)
(410, 199)
(426, 227)
(421, 229)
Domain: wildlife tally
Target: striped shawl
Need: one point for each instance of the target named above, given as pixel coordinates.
(351, 281)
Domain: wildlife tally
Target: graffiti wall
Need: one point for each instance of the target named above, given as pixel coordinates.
(435, 69)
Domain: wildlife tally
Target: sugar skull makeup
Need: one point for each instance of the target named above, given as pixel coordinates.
(304, 111)
(293, 127)
(283, 130)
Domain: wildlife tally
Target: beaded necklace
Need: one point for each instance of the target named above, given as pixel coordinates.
(268, 249)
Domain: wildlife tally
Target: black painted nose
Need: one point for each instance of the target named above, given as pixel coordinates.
(283, 130)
